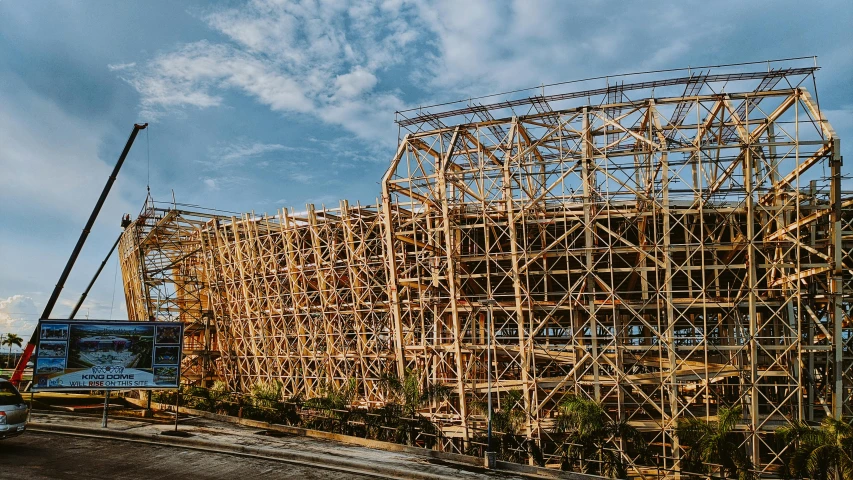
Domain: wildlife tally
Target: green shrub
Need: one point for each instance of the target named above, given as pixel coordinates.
(264, 403)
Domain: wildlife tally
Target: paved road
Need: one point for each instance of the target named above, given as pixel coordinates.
(309, 451)
(37, 456)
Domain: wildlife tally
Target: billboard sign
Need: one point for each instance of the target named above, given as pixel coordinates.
(107, 355)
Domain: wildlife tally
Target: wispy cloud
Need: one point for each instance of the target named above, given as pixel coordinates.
(241, 151)
(120, 66)
(214, 183)
(301, 177)
(340, 63)
(352, 65)
(482, 46)
(316, 58)
(225, 163)
(354, 83)
(191, 76)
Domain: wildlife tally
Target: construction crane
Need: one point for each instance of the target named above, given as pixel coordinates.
(51, 302)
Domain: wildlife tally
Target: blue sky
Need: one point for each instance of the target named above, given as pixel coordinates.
(259, 105)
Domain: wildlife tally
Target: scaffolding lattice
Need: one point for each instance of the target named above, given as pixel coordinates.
(164, 280)
(678, 246)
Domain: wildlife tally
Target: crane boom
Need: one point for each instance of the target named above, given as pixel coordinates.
(94, 278)
(51, 302)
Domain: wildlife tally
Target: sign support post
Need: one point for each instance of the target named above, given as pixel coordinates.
(106, 408)
(177, 408)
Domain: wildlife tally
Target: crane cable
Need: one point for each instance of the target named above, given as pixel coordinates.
(148, 153)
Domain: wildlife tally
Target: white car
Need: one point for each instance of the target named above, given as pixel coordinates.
(13, 411)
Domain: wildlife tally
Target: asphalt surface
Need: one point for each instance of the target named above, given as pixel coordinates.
(64, 445)
(37, 455)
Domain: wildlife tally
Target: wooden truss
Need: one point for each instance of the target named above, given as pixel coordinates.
(665, 256)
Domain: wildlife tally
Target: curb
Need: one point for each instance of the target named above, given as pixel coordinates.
(467, 460)
(318, 460)
(335, 437)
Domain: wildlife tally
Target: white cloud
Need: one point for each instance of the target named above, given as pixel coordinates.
(344, 62)
(187, 76)
(320, 58)
(225, 182)
(354, 83)
(327, 58)
(301, 177)
(242, 151)
(18, 315)
(483, 46)
(53, 169)
(120, 66)
(367, 118)
(239, 153)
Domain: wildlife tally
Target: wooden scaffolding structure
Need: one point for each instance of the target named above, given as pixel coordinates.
(300, 298)
(165, 280)
(664, 247)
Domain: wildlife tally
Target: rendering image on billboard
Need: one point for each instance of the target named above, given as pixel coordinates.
(106, 355)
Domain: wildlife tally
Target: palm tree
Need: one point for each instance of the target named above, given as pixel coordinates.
(410, 392)
(408, 395)
(507, 422)
(335, 403)
(822, 453)
(266, 402)
(715, 443)
(11, 340)
(216, 399)
(592, 438)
